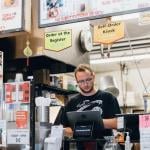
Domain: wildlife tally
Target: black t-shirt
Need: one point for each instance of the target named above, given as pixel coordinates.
(101, 101)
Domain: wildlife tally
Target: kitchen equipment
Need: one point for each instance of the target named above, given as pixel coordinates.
(43, 113)
(107, 83)
(42, 105)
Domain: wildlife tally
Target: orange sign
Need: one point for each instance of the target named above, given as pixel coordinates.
(108, 33)
(21, 119)
(10, 92)
(17, 91)
(24, 92)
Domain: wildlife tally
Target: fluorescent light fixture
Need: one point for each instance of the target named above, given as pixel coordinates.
(120, 59)
(125, 17)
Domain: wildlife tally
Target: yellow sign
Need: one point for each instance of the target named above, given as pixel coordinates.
(108, 33)
(59, 40)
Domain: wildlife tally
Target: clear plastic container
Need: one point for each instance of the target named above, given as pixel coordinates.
(111, 143)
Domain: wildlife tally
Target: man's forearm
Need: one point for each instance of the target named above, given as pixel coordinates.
(110, 123)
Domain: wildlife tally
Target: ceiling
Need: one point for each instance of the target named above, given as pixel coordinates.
(135, 42)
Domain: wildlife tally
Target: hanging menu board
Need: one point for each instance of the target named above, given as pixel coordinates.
(55, 12)
(11, 15)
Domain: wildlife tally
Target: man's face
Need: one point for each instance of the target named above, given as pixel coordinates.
(85, 81)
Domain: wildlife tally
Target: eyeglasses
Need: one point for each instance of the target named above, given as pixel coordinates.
(88, 80)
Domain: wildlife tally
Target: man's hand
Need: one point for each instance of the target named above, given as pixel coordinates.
(68, 132)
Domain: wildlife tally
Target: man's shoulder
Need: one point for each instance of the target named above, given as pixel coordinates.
(76, 96)
(105, 94)
(102, 93)
(73, 100)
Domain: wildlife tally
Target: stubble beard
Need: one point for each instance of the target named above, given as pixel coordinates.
(86, 92)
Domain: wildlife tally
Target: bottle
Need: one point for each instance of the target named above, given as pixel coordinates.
(127, 142)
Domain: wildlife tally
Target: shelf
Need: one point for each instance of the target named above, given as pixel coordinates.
(54, 89)
(38, 62)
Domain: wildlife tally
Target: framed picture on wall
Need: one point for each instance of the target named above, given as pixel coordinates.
(56, 12)
(11, 15)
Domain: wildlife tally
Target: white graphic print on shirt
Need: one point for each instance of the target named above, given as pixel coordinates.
(94, 105)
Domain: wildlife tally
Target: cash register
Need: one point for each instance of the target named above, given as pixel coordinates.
(82, 123)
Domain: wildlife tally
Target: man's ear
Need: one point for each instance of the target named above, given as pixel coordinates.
(93, 74)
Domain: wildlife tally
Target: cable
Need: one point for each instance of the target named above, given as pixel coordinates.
(137, 67)
(122, 67)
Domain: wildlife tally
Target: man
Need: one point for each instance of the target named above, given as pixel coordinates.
(92, 99)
